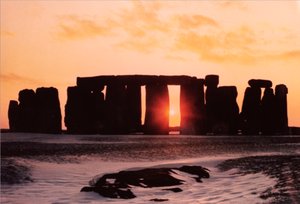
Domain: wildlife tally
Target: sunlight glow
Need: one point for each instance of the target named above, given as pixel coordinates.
(172, 112)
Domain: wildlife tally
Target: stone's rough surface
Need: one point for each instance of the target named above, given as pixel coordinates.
(260, 83)
(118, 185)
(157, 109)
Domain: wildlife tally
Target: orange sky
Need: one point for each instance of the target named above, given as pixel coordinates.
(50, 43)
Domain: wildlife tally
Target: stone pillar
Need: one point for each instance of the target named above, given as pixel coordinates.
(75, 111)
(27, 111)
(281, 92)
(268, 108)
(251, 112)
(115, 107)
(157, 109)
(228, 111)
(48, 114)
(98, 105)
(13, 116)
(134, 107)
(192, 107)
(84, 111)
(212, 103)
(200, 107)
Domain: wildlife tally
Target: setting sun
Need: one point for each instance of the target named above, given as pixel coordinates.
(172, 112)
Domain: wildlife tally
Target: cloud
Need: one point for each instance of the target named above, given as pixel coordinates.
(148, 26)
(15, 78)
(74, 27)
(194, 21)
(233, 5)
(221, 46)
(4, 33)
(287, 55)
(141, 19)
(144, 44)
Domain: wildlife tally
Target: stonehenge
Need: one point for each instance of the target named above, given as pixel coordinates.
(113, 105)
(37, 111)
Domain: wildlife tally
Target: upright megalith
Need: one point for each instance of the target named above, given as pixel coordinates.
(256, 115)
(251, 111)
(133, 110)
(281, 92)
(84, 111)
(268, 108)
(157, 109)
(48, 112)
(36, 111)
(228, 111)
(192, 107)
(13, 115)
(27, 111)
(212, 101)
(115, 109)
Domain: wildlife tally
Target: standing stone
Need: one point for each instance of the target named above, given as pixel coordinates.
(212, 101)
(134, 107)
(268, 108)
(80, 111)
(251, 111)
(200, 107)
(27, 111)
(281, 92)
(228, 111)
(98, 111)
(157, 109)
(48, 114)
(115, 117)
(192, 107)
(13, 116)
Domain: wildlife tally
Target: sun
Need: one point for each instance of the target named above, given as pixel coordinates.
(172, 112)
